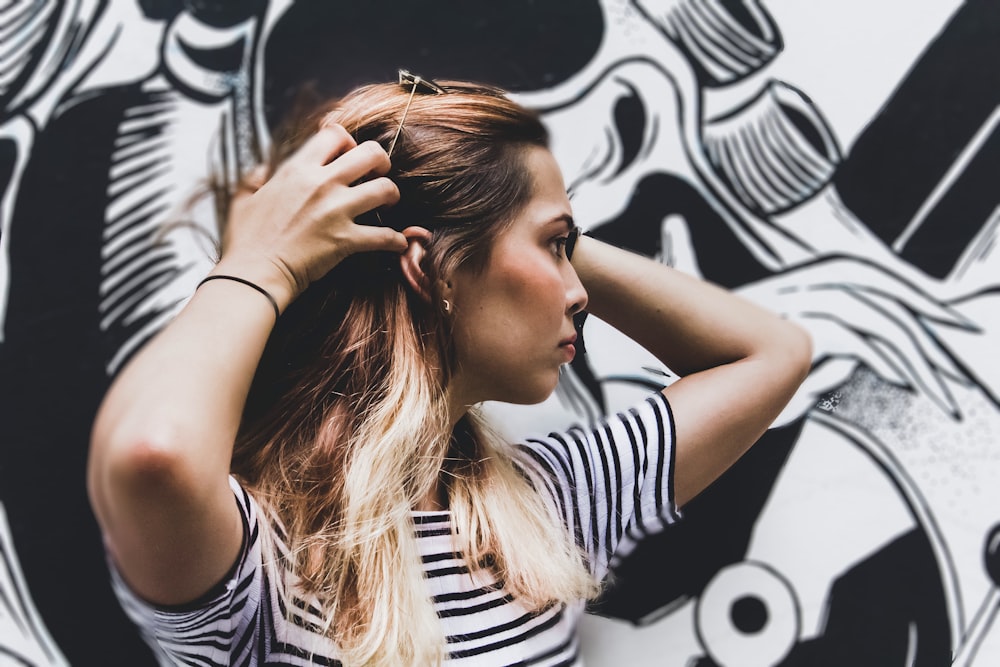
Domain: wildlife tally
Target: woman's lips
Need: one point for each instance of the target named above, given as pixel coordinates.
(569, 347)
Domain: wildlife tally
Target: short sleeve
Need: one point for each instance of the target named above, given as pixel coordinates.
(217, 629)
(612, 484)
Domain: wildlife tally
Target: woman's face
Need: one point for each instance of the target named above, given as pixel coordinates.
(513, 322)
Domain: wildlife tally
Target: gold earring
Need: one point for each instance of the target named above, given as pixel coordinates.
(446, 305)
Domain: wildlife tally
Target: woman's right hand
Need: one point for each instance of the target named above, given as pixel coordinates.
(299, 224)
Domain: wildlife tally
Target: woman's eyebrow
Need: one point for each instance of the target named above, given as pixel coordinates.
(564, 218)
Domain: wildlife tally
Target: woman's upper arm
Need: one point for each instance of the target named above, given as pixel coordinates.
(720, 412)
(171, 537)
(613, 481)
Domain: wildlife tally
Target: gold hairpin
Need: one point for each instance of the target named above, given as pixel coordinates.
(416, 82)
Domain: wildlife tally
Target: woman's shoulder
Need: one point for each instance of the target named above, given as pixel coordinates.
(646, 417)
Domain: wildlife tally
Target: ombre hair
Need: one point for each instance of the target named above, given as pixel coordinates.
(346, 427)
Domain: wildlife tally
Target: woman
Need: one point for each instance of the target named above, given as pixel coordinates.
(376, 519)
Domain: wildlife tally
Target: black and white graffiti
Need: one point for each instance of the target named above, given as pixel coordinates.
(833, 161)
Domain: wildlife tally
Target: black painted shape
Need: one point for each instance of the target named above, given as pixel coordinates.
(160, 10)
(516, 44)
(738, 10)
(581, 366)
(678, 563)
(807, 127)
(216, 13)
(991, 555)
(959, 215)
(223, 59)
(702, 661)
(630, 123)
(723, 258)
(749, 614)
(906, 150)
(8, 160)
(52, 368)
(223, 13)
(871, 610)
(872, 607)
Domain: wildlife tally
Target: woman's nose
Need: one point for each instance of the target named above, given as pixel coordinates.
(576, 293)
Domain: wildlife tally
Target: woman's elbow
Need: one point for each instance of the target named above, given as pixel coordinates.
(794, 349)
(126, 472)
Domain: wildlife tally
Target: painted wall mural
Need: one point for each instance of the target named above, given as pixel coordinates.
(834, 161)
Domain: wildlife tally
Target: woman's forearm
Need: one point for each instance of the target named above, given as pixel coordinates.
(739, 364)
(688, 324)
(182, 395)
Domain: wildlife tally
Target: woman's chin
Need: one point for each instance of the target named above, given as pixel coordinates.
(533, 395)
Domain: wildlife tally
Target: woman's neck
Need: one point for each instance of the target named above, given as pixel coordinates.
(436, 499)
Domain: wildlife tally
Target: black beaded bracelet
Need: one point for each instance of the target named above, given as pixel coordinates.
(243, 281)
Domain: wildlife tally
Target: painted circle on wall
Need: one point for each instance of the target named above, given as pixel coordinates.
(747, 616)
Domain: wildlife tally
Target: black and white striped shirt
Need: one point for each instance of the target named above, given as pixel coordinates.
(611, 485)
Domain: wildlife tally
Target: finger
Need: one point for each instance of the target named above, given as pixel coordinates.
(328, 143)
(379, 238)
(250, 183)
(359, 163)
(371, 195)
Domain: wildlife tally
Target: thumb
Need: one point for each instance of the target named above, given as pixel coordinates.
(251, 182)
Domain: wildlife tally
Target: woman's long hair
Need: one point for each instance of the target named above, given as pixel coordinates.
(347, 429)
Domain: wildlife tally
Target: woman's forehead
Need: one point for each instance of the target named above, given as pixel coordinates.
(548, 200)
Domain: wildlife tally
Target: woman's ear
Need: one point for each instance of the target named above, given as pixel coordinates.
(411, 261)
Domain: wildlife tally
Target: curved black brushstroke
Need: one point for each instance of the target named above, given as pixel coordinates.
(160, 10)
(8, 160)
(991, 555)
(223, 13)
(223, 59)
(28, 62)
(630, 123)
(216, 13)
(518, 44)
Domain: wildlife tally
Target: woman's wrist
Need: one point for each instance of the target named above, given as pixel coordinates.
(277, 288)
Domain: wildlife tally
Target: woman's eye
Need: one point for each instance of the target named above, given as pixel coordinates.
(559, 246)
(562, 246)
